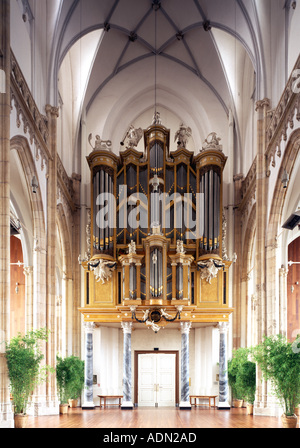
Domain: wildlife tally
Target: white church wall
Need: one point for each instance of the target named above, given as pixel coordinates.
(147, 340)
(20, 41)
(206, 358)
(293, 37)
(41, 167)
(106, 362)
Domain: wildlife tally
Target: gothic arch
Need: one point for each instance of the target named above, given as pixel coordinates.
(288, 162)
(273, 301)
(35, 275)
(21, 145)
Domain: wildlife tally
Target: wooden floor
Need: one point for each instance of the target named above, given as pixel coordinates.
(115, 418)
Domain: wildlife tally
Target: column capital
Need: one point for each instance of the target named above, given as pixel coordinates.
(283, 271)
(27, 270)
(126, 327)
(185, 327)
(223, 327)
(262, 103)
(52, 110)
(89, 327)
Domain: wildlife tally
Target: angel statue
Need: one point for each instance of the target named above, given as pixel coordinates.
(209, 269)
(153, 325)
(182, 136)
(134, 136)
(145, 315)
(165, 314)
(212, 142)
(132, 247)
(156, 118)
(103, 270)
(99, 143)
(179, 247)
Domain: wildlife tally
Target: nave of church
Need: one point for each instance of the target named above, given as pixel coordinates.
(149, 201)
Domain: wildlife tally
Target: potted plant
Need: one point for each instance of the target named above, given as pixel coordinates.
(62, 379)
(247, 382)
(70, 380)
(75, 387)
(239, 356)
(24, 357)
(279, 361)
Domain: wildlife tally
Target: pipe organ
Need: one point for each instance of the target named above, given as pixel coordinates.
(156, 227)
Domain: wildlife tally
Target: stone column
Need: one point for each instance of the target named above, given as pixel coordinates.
(237, 318)
(6, 416)
(185, 366)
(223, 376)
(261, 217)
(283, 272)
(28, 272)
(263, 313)
(127, 391)
(50, 312)
(76, 274)
(58, 325)
(88, 389)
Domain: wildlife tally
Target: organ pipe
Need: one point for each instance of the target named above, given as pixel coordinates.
(103, 219)
(156, 269)
(210, 188)
(210, 164)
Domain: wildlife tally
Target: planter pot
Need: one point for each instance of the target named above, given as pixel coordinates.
(237, 403)
(249, 409)
(290, 421)
(21, 420)
(73, 403)
(63, 408)
(297, 411)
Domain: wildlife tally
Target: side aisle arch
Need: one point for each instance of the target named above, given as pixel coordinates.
(274, 304)
(36, 274)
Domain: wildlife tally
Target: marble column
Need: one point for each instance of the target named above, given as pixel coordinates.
(185, 366)
(223, 376)
(127, 392)
(88, 367)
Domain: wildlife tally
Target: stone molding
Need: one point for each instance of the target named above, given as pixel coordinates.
(34, 122)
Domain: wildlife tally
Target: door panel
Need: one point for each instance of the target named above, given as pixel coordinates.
(156, 380)
(147, 378)
(166, 379)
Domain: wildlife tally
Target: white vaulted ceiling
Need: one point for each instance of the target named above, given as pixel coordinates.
(200, 61)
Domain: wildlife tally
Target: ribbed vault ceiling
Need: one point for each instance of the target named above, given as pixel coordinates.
(198, 60)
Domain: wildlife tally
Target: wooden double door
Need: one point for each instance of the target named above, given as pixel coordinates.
(156, 379)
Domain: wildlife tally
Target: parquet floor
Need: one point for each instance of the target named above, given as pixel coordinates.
(155, 418)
